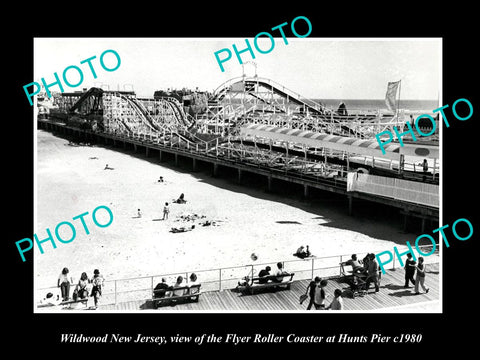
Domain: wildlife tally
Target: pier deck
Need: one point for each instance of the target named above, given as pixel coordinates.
(391, 297)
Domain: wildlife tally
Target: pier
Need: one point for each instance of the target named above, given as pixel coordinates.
(306, 176)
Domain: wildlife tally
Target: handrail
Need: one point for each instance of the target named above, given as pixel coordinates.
(309, 267)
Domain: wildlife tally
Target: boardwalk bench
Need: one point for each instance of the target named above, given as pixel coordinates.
(166, 297)
(254, 284)
(345, 270)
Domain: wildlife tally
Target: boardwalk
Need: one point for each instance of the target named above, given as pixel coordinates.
(391, 296)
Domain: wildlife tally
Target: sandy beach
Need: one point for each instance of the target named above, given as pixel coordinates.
(71, 180)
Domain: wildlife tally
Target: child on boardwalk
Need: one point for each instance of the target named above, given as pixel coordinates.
(337, 302)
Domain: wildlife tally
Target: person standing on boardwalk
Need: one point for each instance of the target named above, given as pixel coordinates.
(320, 296)
(409, 270)
(420, 279)
(97, 282)
(63, 283)
(372, 271)
(82, 286)
(425, 165)
(337, 302)
(166, 210)
(311, 290)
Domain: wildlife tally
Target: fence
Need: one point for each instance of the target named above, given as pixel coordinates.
(141, 288)
(412, 191)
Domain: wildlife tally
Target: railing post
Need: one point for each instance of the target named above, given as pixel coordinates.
(220, 279)
(313, 266)
(340, 266)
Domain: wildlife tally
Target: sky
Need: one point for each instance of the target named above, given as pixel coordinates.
(321, 68)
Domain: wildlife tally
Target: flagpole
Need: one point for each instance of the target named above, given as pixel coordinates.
(399, 90)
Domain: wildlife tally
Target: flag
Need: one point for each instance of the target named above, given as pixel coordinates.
(391, 95)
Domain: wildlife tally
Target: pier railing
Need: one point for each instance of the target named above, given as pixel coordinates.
(399, 189)
(227, 150)
(218, 279)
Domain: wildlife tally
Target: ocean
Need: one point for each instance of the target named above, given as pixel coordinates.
(374, 104)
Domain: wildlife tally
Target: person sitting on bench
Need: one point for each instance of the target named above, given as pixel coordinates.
(179, 284)
(355, 264)
(279, 274)
(264, 274)
(193, 282)
(162, 288)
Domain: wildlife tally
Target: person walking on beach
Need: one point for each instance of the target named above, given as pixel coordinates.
(420, 279)
(409, 270)
(166, 210)
(63, 283)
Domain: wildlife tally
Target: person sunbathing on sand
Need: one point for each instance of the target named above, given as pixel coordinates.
(181, 199)
(302, 253)
(182, 229)
(107, 167)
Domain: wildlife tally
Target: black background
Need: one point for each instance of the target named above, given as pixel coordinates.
(41, 332)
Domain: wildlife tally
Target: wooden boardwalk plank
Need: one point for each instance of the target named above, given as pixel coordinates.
(391, 294)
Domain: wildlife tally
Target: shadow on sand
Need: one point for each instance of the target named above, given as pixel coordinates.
(371, 219)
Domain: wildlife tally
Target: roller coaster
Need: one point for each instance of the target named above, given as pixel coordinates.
(255, 121)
